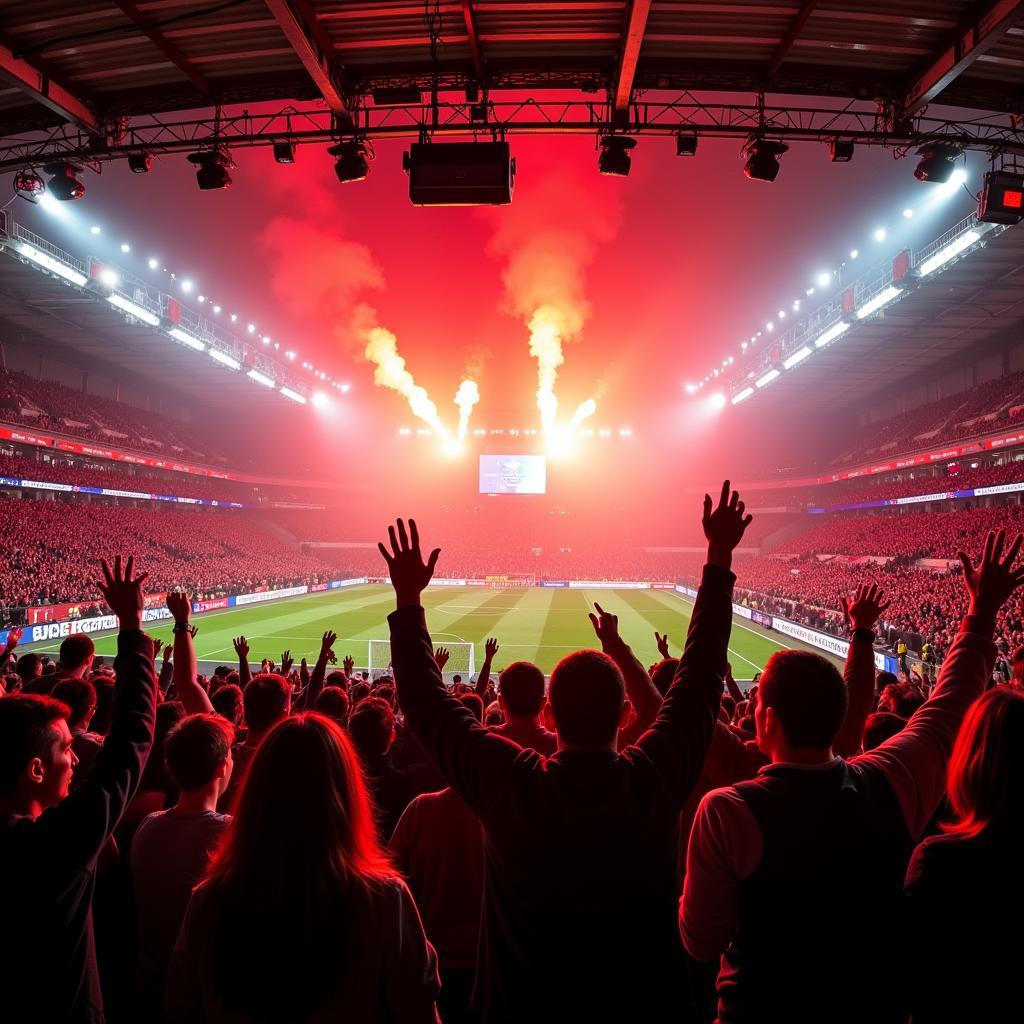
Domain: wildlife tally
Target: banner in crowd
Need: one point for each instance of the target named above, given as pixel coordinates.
(209, 606)
(338, 584)
(447, 583)
(266, 595)
(553, 583)
(607, 585)
(111, 492)
(919, 499)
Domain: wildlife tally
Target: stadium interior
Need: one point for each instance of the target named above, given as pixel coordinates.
(542, 276)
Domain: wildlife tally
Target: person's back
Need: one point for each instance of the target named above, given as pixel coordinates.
(581, 848)
(794, 877)
(300, 916)
(964, 900)
(50, 841)
(171, 848)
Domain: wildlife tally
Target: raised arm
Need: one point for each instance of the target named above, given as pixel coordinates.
(730, 684)
(490, 650)
(82, 822)
(678, 741)
(307, 699)
(193, 697)
(914, 760)
(13, 637)
(640, 690)
(241, 646)
(166, 670)
(474, 761)
(859, 672)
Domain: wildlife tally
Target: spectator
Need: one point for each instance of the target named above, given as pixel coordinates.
(80, 697)
(29, 668)
(266, 701)
(816, 845)
(521, 699)
(438, 846)
(171, 848)
(50, 840)
(302, 874)
(965, 905)
(76, 654)
(557, 831)
(372, 728)
(227, 702)
(333, 702)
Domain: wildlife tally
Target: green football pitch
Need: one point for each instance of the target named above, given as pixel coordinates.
(534, 624)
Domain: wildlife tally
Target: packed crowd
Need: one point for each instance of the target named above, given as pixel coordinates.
(618, 843)
(109, 475)
(53, 548)
(984, 409)
(932, 480)
(47, 405)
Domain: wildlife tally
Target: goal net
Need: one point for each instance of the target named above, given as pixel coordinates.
(461, 660)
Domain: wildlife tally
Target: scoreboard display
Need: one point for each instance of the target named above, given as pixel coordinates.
(513, 474)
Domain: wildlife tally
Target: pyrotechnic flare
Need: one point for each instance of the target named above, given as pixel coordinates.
(465, 398)
(584, 411)
(390, 372)
(546, 348)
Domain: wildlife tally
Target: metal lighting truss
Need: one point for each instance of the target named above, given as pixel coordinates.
(870, 125)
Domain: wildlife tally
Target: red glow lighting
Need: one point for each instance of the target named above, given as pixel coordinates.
(1012, 199)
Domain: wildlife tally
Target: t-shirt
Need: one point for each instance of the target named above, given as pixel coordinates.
(169, 855)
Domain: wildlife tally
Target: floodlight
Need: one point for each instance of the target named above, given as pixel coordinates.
(64, 185)
(29, 183)
(614, 158)
(140, 163)
(350, 160)
(763, 159)
(284, 152)
(1002, 198)
(212, 166)
(840, 151)
(717, 401)
(937, 163)
(686, 144)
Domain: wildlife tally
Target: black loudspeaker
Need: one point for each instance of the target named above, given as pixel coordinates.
(460, 173)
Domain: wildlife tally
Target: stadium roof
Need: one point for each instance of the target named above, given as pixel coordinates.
(972, 305)
(94, 61)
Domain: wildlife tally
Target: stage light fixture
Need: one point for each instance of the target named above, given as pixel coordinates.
(614, 158)
(29, 183)
(1002, 198)
(937, 163)
(763, 159)
(284, 152)
(140, 163)
(840, 151)
(350, 162)
(686, 144)
(63, 184)
(212, 167)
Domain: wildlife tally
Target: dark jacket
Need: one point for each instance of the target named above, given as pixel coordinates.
(579, 918)
(48, 864)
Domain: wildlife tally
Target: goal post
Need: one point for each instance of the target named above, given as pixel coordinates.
(461, 659)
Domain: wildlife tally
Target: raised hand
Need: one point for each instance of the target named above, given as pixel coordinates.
(167, 653)
(122, 590)
(662, 641)
(157, 645)
(724, 526)
(441, 657)
(866, 607)
(179, 606)
(606, 626)
(241, 646)
(991, 582)
(347, 665)
(286, 662)
(491, 648)
(14, 637)
(409, 573)
(327, 645)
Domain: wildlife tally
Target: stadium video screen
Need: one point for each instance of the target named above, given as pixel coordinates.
(513, 474)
